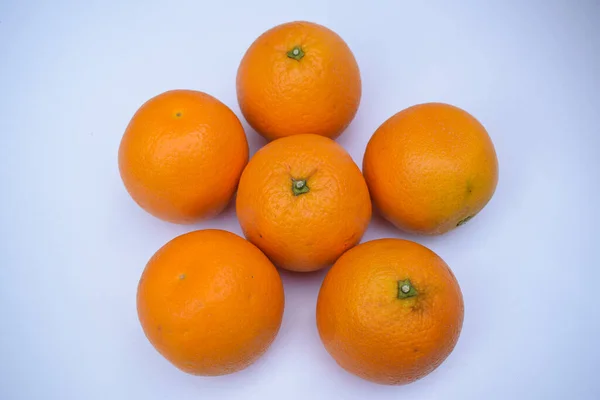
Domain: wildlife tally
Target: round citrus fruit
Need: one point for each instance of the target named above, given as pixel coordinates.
(299, 77)
(182, 155)
(210, 302)
(390, 311)
(430, 168)
(303, 201)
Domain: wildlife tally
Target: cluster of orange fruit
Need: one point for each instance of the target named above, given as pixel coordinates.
(211, 303)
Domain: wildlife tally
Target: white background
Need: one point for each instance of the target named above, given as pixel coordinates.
(73, 244)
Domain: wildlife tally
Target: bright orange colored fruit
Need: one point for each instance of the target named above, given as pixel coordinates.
(390, 311)
(210, 302)
(299, 77)
(182, 155)
(430, 168)
(303, 201)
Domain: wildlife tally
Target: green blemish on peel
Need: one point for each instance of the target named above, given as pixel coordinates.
(464, 220)
(469, 187)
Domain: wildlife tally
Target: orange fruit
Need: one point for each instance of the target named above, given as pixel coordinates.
(390, 311)
(182, 155)
(210, 302)
(430, 168)
(303, 201)
(299, 77)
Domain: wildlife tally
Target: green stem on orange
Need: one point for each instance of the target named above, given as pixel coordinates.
(406, 289)
(299, 187)
(296, 53)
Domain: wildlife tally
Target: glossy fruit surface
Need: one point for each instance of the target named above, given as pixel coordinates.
(390, 311)
(182, 155)
(210, 302)
(303, 201)
(430, 168)
(297, 78)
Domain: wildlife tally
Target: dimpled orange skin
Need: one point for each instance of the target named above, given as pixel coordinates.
(377, 336)
(281, 96)
(430, 168)
(309, 231)
(182, 155)
(210, 302)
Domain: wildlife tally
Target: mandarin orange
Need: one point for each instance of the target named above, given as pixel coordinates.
(390, 311)
(299, 77)
(182, 155)
(210, 302)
